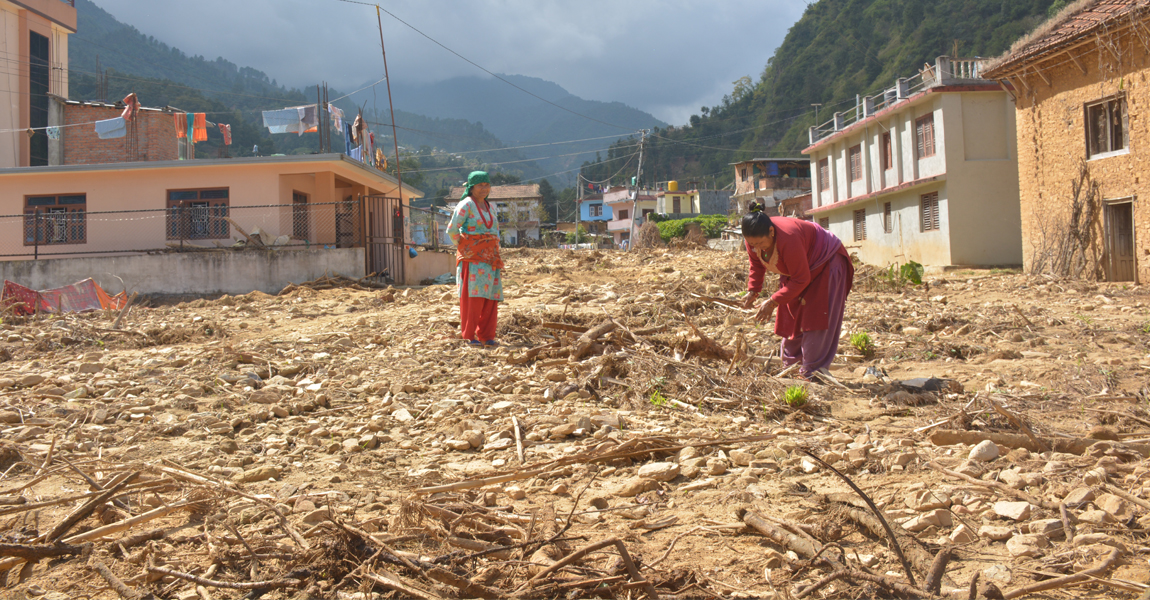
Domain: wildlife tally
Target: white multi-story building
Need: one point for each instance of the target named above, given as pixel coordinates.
(925, 171)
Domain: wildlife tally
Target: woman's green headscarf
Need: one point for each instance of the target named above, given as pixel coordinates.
(474, 179)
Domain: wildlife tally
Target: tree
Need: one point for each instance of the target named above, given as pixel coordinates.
(504, 179)
(577, 237)
(549, 199)
(743, 87)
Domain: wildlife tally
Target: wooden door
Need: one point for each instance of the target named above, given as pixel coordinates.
(1120, 241)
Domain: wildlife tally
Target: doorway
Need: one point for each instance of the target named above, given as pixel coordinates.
(1119, 220)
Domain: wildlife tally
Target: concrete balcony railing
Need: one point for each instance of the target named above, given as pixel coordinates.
(944, 71)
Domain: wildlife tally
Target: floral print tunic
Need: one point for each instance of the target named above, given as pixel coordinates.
(483, 280)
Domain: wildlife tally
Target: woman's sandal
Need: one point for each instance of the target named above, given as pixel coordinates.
(491, 343)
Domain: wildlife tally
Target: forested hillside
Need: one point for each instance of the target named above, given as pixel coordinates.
(837, 49)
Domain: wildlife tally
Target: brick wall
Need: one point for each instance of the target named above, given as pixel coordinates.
(1052, 147)
(151, 136)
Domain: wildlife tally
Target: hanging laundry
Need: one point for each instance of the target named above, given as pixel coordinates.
(111, 128)
(200, 128)
(190, 120)
(347, 138)
(309, 119)
(255, 150)
(53, 133)
(356, 153)
(336, 116)
(380, 160)
(131, 106)
(286, 120)
(357, 129)
(181, 125)
(226, 131)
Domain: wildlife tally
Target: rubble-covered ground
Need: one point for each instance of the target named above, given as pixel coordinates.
(343, 443)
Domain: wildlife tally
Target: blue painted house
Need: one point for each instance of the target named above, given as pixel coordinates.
(594, 214)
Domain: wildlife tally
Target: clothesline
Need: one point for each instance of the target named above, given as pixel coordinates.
(359, 90)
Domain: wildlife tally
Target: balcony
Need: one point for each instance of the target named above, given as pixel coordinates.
(944, 71)
(624, 224)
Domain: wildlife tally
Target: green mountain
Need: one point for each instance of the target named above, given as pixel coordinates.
(837, 49)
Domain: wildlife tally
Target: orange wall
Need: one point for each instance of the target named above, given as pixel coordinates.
(135, 189)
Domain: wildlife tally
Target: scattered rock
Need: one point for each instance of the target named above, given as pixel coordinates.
(659, 471)
(635, 486)
(1015, 511)
(984, 451)
(1027, 544)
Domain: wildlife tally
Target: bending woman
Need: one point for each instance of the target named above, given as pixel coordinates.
(815, 276)
(478, 268)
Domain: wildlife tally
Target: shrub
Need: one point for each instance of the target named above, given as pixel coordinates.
(577, 237)
(712, 226)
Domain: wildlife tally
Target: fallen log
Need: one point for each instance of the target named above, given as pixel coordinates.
(583, 344)
(946, 437)
(34, 552)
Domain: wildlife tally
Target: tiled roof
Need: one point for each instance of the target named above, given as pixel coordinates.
(1073, 23)
(504, 192)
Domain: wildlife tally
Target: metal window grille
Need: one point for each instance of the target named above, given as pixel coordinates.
(887, 221)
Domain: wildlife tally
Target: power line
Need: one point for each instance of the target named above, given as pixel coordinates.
(485, 70)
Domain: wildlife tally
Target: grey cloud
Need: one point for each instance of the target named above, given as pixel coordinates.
(668, 57)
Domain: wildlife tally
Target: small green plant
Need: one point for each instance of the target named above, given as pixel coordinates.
(1145, 327)
(658, 399)
(796, 396)
(862, 343)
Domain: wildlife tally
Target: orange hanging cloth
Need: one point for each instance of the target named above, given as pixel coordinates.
(200, 128)
(181, 125)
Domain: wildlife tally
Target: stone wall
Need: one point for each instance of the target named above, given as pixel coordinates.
(1051, 129)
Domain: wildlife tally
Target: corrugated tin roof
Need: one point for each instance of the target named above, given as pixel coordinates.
(1068, 26)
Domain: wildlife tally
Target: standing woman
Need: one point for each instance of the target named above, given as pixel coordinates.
(478, 268)
(815, 276)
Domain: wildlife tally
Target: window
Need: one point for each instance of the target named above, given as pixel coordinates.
(856, 162)
(825, 222)
(38, 88)
(595, 210)
(623, 214)
(924, 133)
(198, 214)
(743, 173)
(930, 212)
(887, 221)
(55, 220)
(824, 174)
(887, 152)
(647, 211)
(1106, 126)
(300, 216)
(860, 225)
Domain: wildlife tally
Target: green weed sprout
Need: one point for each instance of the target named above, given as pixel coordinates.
(796, 396)
(658, 399)
(862, 342)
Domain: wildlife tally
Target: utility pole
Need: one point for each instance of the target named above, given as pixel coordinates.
(578, 206)
(816, 113)
(638, 187)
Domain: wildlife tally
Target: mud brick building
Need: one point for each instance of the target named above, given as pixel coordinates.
(1080, 82)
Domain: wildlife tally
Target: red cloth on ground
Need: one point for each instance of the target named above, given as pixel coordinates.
(478, 317)
(803, 293)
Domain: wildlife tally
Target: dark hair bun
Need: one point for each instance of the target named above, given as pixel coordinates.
(756, 207)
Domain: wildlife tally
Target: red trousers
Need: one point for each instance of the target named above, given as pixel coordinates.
(477, 316)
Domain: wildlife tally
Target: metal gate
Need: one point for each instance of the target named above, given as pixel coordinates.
(384, 234)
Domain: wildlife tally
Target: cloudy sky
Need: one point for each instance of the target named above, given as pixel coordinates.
(667, 57)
